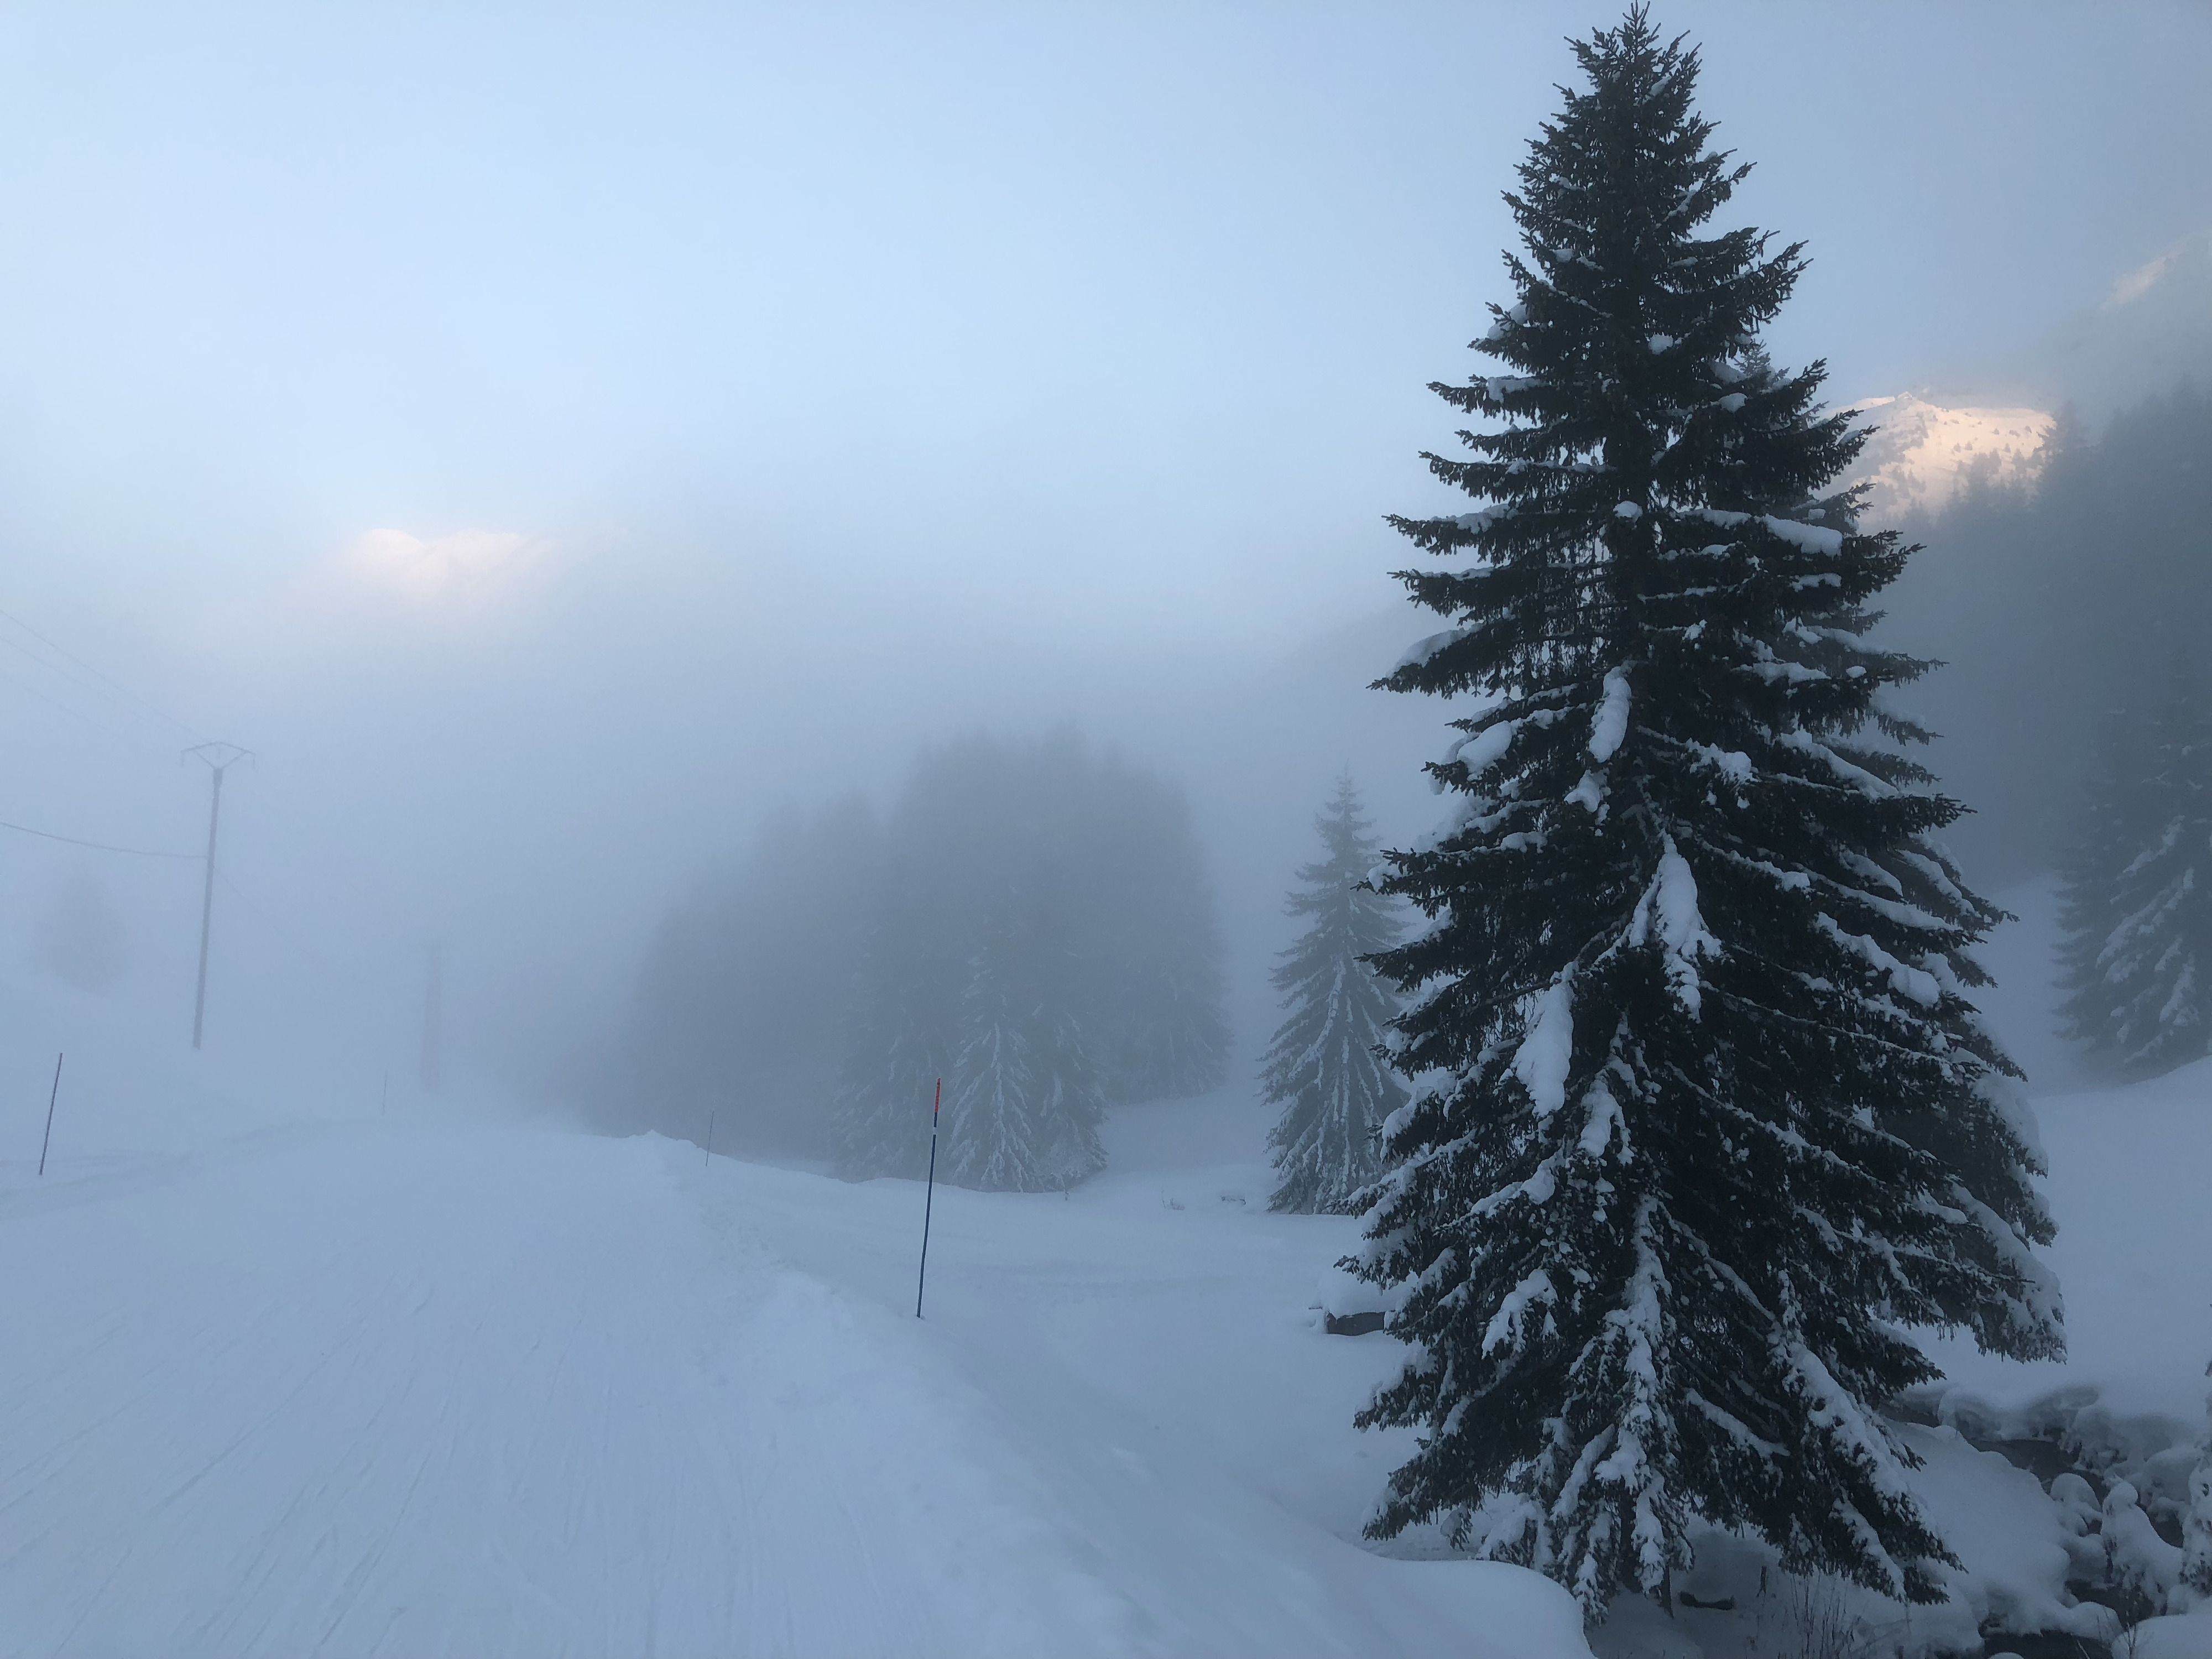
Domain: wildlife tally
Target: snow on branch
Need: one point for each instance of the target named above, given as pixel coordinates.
(1429, 645)
(1917, 983)
(1805, 537)
(1868, 783)
(1541, 1061)
(1509, 1326)
(1480, 751)
(1670, 903)
(1610, 725)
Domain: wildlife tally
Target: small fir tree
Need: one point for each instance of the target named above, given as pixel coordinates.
(2136, 895)
(1326, 1067)
(1719, 1122)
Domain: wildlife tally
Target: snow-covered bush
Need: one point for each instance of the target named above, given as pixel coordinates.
(1812, 1619)
(2196, 1523)
(2142, 1567)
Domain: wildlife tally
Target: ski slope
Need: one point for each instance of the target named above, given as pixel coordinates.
(437, 1389)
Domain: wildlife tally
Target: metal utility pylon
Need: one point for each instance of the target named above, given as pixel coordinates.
(220, 758)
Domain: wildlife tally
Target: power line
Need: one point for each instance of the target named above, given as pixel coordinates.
(97, 846)
(146, 704)
(78, 714)
(107, 701)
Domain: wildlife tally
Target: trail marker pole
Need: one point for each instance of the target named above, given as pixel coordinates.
(53, 1095)
(710, 1140)
(929, 1201)
(220, 758)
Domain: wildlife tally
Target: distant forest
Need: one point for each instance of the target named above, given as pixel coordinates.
(1030, 920)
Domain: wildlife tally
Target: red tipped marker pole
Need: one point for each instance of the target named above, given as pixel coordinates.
(928, 1202)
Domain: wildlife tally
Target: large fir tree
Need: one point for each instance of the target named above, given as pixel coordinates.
(2137, 892)
(1325, 1068)
(1720, 1123)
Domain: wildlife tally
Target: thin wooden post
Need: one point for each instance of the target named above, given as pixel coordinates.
(929, 1201)
(52, 1095)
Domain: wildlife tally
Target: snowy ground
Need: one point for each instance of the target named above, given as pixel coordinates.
(348, 1385)
(426, 1388)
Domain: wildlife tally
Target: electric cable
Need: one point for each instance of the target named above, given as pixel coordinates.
(97, 846)
(146, 705)
(78, 714)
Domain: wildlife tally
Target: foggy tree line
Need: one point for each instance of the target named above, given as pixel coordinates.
(2057, 603)
(2074, 706)
(741, 1000)
(1030, 922)
(2137, 886)
(1044, 941)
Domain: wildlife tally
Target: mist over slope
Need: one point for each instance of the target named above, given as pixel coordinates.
(2053, 601)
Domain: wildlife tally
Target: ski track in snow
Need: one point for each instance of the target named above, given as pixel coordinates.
(451, 1393)
(425, 1391)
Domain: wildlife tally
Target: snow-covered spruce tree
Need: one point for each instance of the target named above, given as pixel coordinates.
(2136, 953)
(1324, 1068)
(1023, 1101)
(1720, 1122)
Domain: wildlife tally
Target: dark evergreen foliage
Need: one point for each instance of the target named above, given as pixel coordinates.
(2137, 891)
(1326, 1068)
(1042, 938)
(1720, 1122)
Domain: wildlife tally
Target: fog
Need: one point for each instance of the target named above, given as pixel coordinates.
(557, 444)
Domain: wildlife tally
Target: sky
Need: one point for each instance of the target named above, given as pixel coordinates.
(551, 437)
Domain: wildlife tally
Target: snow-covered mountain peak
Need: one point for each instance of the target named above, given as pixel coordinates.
(1922, 453)
(2180, 276)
